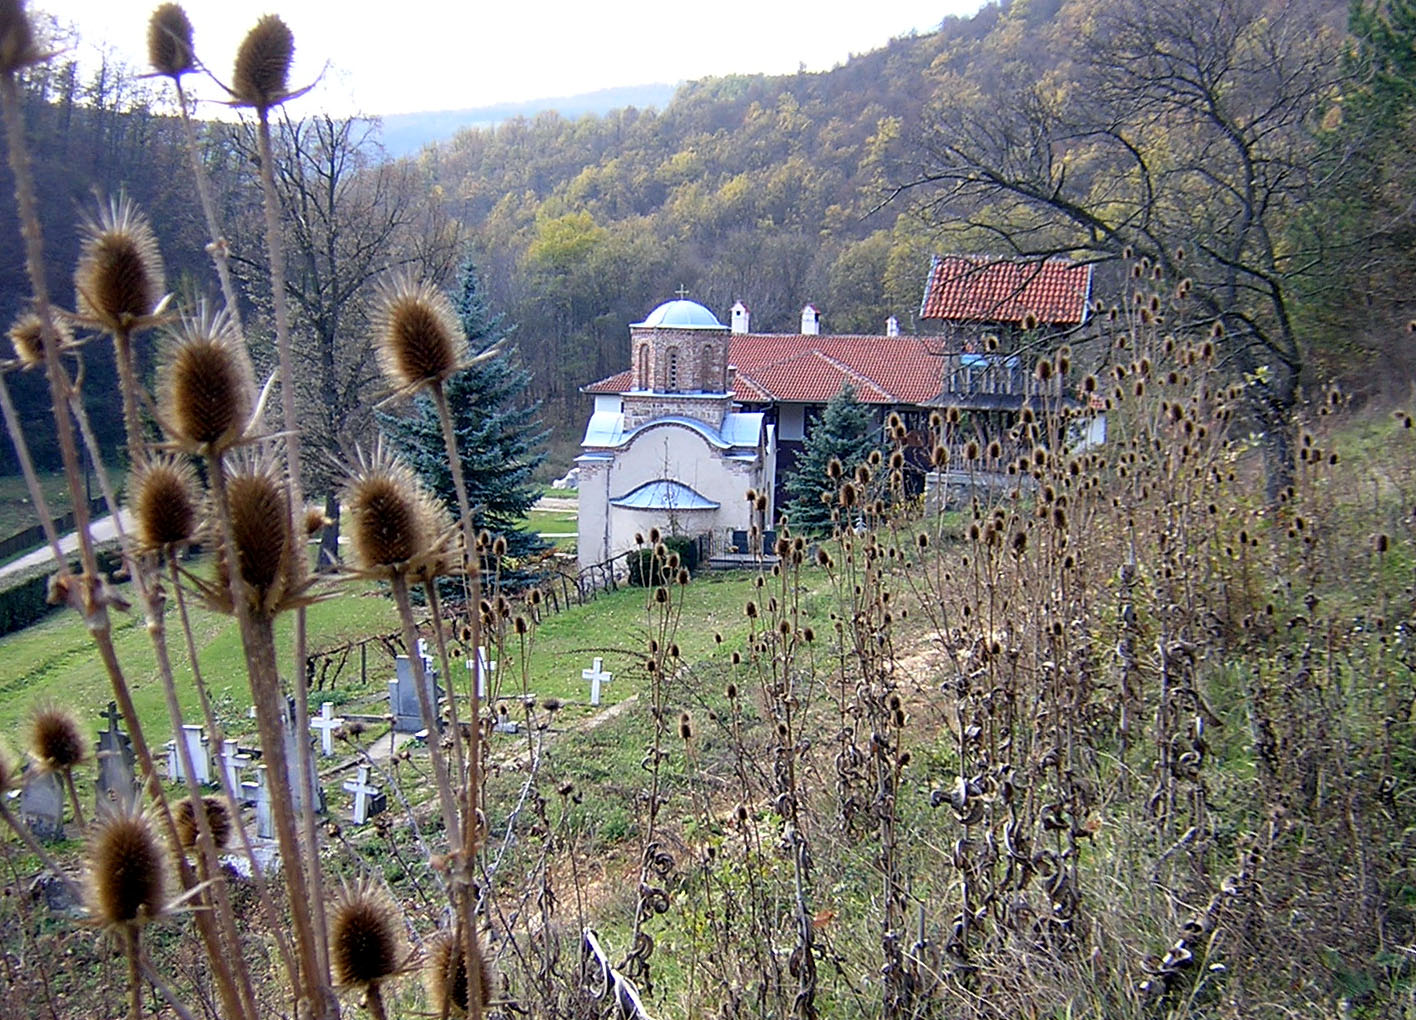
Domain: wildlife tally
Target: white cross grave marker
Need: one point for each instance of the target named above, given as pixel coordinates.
(485, 667)
(595, 676)
(326, 722)
(362, 791)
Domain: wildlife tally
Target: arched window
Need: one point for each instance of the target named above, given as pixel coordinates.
(643, 382)
(672, 381)
(706, 382)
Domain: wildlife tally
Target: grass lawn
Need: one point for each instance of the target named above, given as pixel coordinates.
(17, 511)
(55, 659)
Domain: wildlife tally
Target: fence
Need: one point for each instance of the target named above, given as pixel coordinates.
(33, 537)
(559, 591)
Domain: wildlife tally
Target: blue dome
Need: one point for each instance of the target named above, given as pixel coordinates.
(681, 314)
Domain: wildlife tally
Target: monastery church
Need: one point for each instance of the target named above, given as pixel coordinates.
(707, 412)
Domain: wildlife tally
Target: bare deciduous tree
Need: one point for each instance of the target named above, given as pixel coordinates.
(1180, 133)
(351, 216)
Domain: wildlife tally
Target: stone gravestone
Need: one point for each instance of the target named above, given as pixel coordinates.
(485, 669)
(505, 723)
(260, 793)
(292, 762)
(369, 800)
(42, 804)
(234, 761)
(197, 747)
(326, 722)
(596, 676)
(403, 695)
(116, 781)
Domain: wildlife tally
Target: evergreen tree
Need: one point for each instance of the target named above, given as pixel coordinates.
(498, 431)
(846, 433)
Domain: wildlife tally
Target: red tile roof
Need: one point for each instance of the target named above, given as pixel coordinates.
(970, 289)
(811, 369)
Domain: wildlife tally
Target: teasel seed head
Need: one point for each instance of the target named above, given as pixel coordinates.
(126, 871)
(445, 975)
(206, 396)
(164, 503)
(27, 338)
(263, 64)
(365, 937)
(56, 742)
(170, 41)
(315, 521)
(119, 278)
(17, 45)
(419, 339)
(268, 556)
(184, 816)
(388, 514)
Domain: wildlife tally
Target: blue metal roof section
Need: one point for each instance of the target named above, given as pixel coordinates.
(665, 494)
(681, 314)
(741, 430)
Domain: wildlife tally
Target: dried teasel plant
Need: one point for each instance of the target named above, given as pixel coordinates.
(170, 50)
(262, 72)
(205, 394)
(445, 976)
(18, 48)
(126, 885)
(395, 526)
(27, 339)
(269, 557)
(218, 817)
(418, 338)
(57, 745)
(367, 946)
(119, 279)
(166, 505)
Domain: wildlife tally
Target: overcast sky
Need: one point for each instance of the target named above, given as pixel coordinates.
(401, 56)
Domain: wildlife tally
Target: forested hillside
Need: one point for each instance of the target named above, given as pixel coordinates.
(832, 188)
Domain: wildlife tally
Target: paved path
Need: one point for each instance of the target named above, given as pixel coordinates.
(103, 529)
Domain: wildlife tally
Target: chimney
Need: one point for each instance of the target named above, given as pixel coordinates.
(892, 326)
(810, 325)
(740, 317)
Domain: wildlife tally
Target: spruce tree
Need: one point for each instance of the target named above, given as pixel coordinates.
(499, 437)
(846, 433)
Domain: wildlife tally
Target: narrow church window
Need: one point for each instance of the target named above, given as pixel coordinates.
(642, 383)
(706, 383)
(673, 379)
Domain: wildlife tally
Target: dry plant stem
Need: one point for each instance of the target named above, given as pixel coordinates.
(440, 639)
(74, 797)
(233, 803)
(145, 579)
(275, 254)
(95, 611)
(128, 384)
(220, 256)
(156, 981)
(258, 642)
(135, 977)
(426, 706)
(210, 866)
(27, 207)
(373, 1002)
(472, 831)
(36, 494)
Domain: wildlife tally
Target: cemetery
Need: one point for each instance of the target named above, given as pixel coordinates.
(359, 741)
